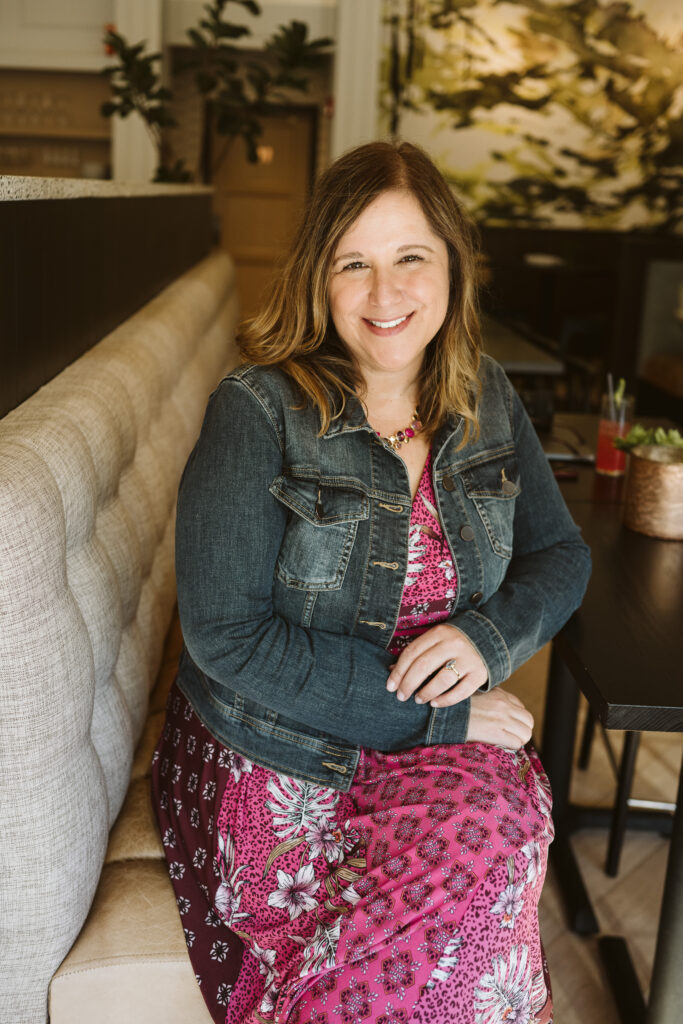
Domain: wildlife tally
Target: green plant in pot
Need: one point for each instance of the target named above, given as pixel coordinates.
(236, 89)
(639, 436)
(654, 490)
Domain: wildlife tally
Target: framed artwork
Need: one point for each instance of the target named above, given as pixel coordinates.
(565, 114)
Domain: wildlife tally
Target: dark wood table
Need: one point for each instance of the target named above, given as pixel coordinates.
(624, 650)
(518, 356)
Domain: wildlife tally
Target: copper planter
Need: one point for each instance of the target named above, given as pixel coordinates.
(654, 491)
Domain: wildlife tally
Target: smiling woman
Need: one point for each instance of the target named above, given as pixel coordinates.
(355, 827)
(389, 288)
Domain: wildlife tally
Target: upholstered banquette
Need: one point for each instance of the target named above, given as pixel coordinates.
(89, 469)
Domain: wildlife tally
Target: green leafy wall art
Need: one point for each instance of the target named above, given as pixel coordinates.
(565, 114)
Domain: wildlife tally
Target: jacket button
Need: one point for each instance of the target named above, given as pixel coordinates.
(448, 483)
(467, 533)
(476, 597)
(508, 487)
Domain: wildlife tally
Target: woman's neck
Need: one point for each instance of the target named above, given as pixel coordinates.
(390, 402)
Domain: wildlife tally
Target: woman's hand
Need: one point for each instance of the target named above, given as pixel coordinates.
(431, 652)
(500, 718)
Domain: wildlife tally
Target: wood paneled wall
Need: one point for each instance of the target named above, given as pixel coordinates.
(72, 270)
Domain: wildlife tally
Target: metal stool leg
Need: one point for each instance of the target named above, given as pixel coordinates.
(618, 828)
(586, 740)
(559, 729)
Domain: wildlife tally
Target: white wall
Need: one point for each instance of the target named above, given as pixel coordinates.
(356, 73)
(134, 155)
(54, 34)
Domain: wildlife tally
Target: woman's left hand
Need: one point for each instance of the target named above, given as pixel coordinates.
(431, 652)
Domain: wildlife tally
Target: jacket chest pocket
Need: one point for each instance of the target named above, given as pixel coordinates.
(320, 532)
(493, 487)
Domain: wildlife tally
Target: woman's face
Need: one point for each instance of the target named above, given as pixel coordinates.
(389, 286)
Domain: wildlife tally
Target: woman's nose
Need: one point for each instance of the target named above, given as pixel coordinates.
(384, 287)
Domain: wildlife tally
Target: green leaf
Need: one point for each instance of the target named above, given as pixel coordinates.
(638, 435)
(197, 38)
(226, 30)
(292, 81)
(178, 172)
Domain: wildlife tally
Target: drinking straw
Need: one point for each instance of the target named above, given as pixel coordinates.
(619, 393)
(610, 392)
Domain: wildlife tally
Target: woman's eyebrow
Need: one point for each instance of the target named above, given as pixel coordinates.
(401, 248)
(415, 245)
(348, 256)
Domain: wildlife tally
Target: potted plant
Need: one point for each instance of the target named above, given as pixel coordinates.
(236, 90)
(654, 490)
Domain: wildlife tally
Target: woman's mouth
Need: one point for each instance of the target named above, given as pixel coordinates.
(385, 327)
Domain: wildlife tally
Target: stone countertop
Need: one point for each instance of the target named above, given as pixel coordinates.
(15, 187)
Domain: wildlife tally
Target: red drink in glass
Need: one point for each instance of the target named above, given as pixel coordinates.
(614, 422)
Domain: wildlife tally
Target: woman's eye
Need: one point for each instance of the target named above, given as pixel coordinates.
(411, 257)
(356, 265)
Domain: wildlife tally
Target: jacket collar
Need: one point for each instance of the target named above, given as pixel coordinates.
(353, 419)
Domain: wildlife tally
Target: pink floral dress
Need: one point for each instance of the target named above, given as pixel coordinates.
(410, 899)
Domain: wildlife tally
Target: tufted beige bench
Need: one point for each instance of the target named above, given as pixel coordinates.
(130, 961)
(89, 469)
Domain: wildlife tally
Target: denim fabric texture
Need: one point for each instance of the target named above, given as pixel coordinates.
(291, 556)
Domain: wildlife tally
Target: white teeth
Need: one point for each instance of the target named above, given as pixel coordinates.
(388, 323)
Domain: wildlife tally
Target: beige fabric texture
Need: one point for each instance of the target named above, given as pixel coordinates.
(89, 469)
(103, 981)
(130, 962)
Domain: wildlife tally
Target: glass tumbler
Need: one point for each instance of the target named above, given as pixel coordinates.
(615, 421)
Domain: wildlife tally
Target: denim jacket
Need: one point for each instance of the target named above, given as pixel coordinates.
(291, 556)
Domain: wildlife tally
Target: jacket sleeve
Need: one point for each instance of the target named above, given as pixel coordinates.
(228, 533)
(548, 572)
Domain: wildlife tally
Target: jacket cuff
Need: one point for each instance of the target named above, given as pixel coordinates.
(489, 644)
(449, 725)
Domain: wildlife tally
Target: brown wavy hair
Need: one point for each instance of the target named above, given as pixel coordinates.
(295, 331)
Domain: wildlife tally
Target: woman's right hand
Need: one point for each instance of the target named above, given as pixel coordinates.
(500, 718)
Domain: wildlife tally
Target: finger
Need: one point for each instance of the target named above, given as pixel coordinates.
(505, 736)
(521, 733)
(515, 711)
(447, 681)
(515, 741)
(415, 649)
(423, 641)
(514, 699)
(463, 689)
(422, 667)
(525, 722)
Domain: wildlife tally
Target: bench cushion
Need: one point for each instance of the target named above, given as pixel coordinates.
(89, 471)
